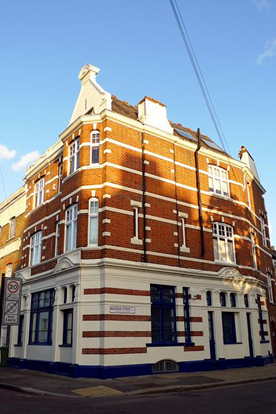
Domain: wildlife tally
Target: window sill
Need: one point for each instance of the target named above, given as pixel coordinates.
(69, 176)
(65, 346)
(184, 249)
(265, 341)
(39, 344)
(17, 345)
(224, 197)
(37, 207)
(232, 343)
(224, 262)
(66, 306)
(159, 344)
(189, 344)
(34, 265)
(136, 241)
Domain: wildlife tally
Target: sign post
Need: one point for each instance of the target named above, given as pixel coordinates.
(11, 301)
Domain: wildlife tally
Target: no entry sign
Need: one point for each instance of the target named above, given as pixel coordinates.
(12, 300)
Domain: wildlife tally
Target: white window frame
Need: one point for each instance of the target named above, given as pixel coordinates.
(217, 178)
(35, 248)
(270, 288)
(92, 215)
(183, 232)
(263, 230)
(254, 255)
(39, 192)
(223, 237)
(12, 227)
(60, 166)
(71, 216)
(9, 270)
(95, 145)
(74, 156)
(136, 222)
(57, 240)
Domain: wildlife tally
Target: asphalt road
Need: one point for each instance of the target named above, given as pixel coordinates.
(252, 398)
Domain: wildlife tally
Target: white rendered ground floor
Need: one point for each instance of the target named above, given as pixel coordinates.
(113, 318)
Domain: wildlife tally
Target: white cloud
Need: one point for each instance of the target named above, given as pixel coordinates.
(262, 4)
(6, 153)
(269, 52)
(25, 160)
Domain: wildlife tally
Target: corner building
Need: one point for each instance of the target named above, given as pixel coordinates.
(146, 248)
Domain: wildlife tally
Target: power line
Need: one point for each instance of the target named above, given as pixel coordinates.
(3, 184)
(199, 75)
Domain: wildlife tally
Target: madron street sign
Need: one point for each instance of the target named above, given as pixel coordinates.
(11, 301)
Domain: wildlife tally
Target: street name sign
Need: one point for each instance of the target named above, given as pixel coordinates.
(122, 309)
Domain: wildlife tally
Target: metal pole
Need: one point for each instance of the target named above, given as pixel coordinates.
(2, 298)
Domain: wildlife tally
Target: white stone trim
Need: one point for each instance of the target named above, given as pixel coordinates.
(139, 242)
(135, 203)
(184, 249)
(185, 215)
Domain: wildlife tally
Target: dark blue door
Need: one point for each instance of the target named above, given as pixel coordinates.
(250, 341)
(212, 336)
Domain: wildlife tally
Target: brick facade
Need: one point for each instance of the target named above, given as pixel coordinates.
(155, 172)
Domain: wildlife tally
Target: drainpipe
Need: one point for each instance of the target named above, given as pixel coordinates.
(144, 256)
(199, 195)
(176, 206)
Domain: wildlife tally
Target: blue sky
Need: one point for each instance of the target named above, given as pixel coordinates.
(138, 47)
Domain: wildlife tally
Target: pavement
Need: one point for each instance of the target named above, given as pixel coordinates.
(35, 382)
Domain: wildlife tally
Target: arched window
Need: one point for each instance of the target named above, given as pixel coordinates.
(223, 241)
(232, 300)
(218, 180)
(95, 146)
(222, 298)
(209, 298)
(93, 222)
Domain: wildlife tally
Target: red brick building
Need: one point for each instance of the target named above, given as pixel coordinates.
(146, 248)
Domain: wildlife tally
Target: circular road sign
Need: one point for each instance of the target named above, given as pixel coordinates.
(13, 286)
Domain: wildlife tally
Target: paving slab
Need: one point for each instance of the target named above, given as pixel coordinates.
(42, 383)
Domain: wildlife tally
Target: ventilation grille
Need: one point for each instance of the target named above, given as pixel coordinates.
(165, 365)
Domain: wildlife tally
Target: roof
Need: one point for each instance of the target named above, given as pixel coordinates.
(187, 134)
